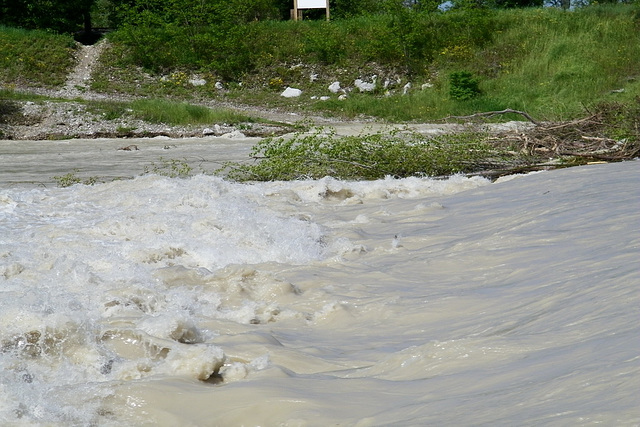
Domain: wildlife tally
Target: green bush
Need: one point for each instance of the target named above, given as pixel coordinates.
(462, 86)
(369, 156)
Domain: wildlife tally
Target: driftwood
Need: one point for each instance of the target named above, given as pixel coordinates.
(489, 114)
(550, 145)
(574, 142)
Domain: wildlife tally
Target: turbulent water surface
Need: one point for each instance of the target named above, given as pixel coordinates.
(407, 302)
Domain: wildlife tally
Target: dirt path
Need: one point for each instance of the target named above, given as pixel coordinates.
(78, 81)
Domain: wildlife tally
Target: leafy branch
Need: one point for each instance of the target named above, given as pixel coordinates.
(397, 153)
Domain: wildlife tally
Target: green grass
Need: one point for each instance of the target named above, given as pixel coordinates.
(168, 112)
(553, 64)
(182, 113)
(150, 110)
(35, 58)
(9, 94)
(556, 63)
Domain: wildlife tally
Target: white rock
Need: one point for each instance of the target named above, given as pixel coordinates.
(217, 130)
(234, 134)
(365, 86)
(324, 98)
(197, 82)
(219, 86)
(342, 97)
(426, 86)
(313, 77)
(406, 88)
(290, 92)
(334, 87)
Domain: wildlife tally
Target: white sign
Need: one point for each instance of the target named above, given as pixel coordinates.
(312, 4)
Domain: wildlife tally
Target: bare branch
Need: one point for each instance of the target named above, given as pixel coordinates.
(489, 114)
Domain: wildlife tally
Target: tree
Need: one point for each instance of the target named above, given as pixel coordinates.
(509, 4)
(62, 16)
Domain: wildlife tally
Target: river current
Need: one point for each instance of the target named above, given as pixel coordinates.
(202, 302)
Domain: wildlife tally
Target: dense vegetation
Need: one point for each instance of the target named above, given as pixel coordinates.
(549, 62)
(425, 63)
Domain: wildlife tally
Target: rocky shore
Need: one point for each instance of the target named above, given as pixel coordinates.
(68, 117)
(54, 120)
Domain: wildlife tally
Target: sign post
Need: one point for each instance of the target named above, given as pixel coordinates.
(298, 5)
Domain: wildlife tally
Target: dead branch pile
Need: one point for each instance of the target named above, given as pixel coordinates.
(612, 133)
(589, 138)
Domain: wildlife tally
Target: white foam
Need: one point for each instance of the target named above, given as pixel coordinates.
(417, 301)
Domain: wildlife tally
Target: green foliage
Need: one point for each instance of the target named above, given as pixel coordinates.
(547, 62)
(342, 9)
(8, 110)
(517, 3)
(462, 86)
(171, 168)
(165, 46)
(72, 179)
(369, 156)
(59, 16)
(193, 14)
(622, 122)
(213, 38)
(34, 57)
(182, 113)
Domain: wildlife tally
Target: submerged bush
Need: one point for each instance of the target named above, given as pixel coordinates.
(394, 153)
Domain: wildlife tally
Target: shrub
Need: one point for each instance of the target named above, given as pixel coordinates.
(71, 178)
(462, 86)
(368, 156)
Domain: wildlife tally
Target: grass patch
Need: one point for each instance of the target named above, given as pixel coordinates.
(181, 113)
(34, 58)
(167, 112)
(13, 95)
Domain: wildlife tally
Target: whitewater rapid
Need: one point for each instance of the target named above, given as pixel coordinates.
(202, 302)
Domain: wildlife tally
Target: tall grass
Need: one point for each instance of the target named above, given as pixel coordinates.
(181, 113)
(556, 63)
(551, 63)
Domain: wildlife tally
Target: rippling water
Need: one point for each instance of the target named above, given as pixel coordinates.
(405, 302)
